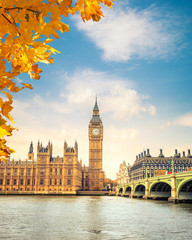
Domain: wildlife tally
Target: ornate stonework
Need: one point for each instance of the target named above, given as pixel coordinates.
(56, 175)
(47, 175)
(96, 174)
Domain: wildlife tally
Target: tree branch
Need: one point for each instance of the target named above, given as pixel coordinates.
(11, 24)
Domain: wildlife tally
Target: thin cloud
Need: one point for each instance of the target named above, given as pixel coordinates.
(126, 33)
(117, 97)
(185, 120)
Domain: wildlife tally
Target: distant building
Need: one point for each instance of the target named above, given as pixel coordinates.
(146, 166)
(123, 176)
(57, 175)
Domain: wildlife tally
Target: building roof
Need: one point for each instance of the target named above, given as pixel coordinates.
(96, 108)
(96, 117)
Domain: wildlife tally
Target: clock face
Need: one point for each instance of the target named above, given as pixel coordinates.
(95, 131)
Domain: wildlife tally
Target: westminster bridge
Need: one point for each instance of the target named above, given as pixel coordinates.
(175, 187)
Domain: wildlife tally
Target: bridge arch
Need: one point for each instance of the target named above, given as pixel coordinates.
(128, 190)
(139, 190)
(184, 190)
(160, 190)
(120, 191)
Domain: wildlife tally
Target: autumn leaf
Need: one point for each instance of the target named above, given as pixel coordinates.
(27, 85)
(26, 29)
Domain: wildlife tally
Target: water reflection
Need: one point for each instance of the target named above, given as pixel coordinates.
(54, 217)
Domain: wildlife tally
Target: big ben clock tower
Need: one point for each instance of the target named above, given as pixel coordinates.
(96, 174)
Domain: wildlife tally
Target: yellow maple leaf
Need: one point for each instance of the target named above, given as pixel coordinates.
(25, 29)
(27, 85)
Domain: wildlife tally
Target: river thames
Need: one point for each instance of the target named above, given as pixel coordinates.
(92, 217)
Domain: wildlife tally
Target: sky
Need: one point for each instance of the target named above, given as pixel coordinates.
(137, 60)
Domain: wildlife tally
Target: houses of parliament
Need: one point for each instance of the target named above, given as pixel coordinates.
(57, 175)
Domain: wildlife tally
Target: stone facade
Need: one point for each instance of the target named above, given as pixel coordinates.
(56, 175)
(47, 175)
(85, 178)
(146, 166)
(123, 176)
(96, 174)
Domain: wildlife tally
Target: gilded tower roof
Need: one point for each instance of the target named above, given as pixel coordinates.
(96, 108)
(31, 148)
(96, 117)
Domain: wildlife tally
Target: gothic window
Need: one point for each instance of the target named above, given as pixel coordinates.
(21, 182)
(29, 172)
(2, 170)
(15, 172)
(60, 182)
(50, 181)
(55, 171)
(28, 181)
(50, 171)
(55, 181)
(42, 171)
(8, 171)
(1, 181)
(60, 171)
(41, 181)
(68, 182)
(69, 172)
(22, 172)
(14, 182)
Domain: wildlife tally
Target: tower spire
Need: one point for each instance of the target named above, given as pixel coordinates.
(96, 116)
(31, 148)
(96, 108)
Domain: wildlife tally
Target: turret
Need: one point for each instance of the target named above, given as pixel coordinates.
(38, 146)
(161, 153)
(31, 153)
(189, 153)
(70, 153)
(148, 153)
(44, 154)
(65, 146)
(176, 153)
(76, 148)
